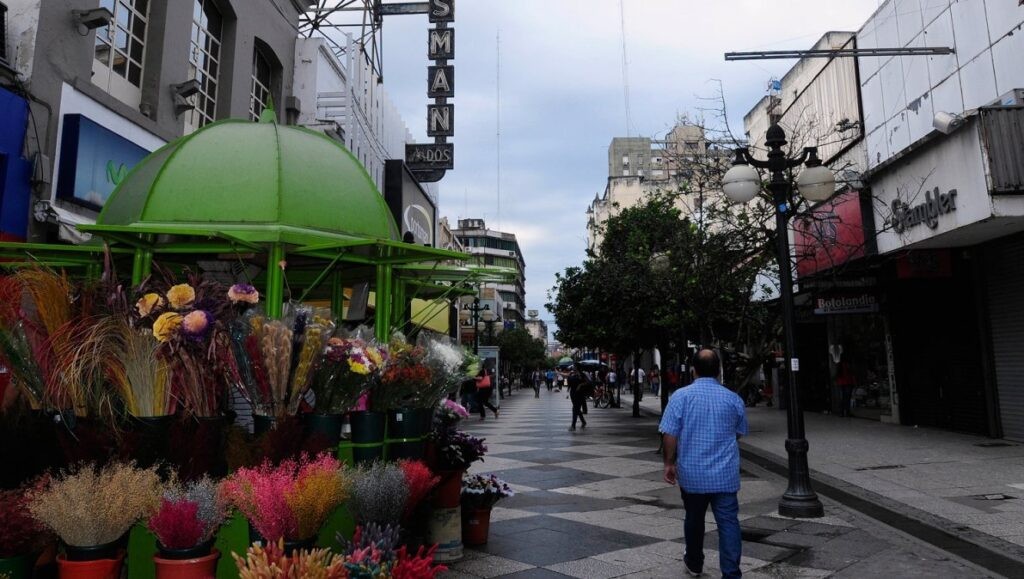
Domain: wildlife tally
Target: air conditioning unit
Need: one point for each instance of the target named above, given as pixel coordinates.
(511, 254)
(3, 35)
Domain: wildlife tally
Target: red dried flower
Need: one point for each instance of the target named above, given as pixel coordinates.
(418, 566)
(20, 532)
(420, 480)
(176, 524)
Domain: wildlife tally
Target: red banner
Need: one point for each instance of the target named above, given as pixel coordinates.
(829, 235)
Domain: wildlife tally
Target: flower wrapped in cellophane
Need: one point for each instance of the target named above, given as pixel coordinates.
(348, 368)
(483, 491)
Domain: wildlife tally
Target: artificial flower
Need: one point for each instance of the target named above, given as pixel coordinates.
(196, 323)
(181, 296)
(458, 409)
(166, 326)
(243, 293)
(148, 303)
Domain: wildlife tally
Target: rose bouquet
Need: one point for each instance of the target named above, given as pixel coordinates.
(291, 500)
(90, 506)
(188, 516)
(449, 414)
(349, 367)
(483, 491)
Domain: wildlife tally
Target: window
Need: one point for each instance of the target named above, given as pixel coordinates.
(625, 172)
(625, 159)
(261, 75)
(119, 50)
(204, 62)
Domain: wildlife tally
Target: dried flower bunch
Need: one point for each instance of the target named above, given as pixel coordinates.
(420, 481)
(189, 515)
(189, 321)
(291, 500)
(20, 532)
(379, 494)
(270, 562)
(484, 490)
(382, 540)
(350, 366)
(374, 552)
(89, 506)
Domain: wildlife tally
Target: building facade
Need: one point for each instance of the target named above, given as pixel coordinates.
(109, 82)
(537, 327)
(498, 248)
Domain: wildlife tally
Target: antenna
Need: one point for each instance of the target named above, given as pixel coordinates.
(498, 130)
(625, 67)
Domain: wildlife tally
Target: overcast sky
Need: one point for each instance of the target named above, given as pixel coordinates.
(562, 97)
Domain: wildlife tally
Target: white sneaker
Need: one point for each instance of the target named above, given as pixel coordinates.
(691, 572)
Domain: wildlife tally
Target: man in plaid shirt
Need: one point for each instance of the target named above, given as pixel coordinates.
(701, 427)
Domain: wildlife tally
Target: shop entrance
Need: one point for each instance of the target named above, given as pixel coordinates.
(858, 366)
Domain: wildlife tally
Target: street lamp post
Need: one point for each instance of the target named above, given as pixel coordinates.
(475, 309)
(816, 183)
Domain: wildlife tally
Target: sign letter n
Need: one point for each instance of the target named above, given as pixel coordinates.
(440, 120)
(442, 10)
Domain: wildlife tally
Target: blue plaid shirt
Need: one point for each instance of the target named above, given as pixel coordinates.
(705, 418)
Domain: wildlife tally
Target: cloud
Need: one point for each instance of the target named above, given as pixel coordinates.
(562, 96)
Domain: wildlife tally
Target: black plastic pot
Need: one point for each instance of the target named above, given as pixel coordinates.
(289, 546)
(200, 550)
(95, 552)
(326, 425)
(367, 427)
(413, 450)
(198, 445)
(262, 424)
(408, 423)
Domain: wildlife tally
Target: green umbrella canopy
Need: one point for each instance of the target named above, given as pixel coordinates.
(257, 182)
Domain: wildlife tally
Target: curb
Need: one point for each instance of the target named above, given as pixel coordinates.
(985, 551)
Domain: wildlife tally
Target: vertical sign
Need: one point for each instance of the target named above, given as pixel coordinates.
(430, 161)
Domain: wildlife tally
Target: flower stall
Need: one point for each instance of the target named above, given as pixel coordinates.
(213, 412)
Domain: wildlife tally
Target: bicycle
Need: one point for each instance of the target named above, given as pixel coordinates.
(602, 397)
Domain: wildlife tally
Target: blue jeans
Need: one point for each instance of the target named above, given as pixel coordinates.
(726, 509)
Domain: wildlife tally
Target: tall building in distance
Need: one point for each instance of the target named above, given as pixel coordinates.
(537, 327)
(497, 248)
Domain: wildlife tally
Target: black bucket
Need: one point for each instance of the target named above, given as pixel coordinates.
(408, 423)
(262, 424)
(367, 427)
(327, 426)
(109, 550)
(149, 439)
(411, 449)
(200, 550)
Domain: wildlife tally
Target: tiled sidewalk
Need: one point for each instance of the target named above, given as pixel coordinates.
(591, 504)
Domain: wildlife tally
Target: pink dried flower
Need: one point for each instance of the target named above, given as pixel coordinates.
(196, 323)
(243, 293)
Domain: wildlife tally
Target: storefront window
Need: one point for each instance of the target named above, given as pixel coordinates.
(859, 364)
(204, 62)
(119, 50)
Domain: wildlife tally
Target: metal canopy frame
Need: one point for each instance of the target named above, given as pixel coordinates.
(839, 53)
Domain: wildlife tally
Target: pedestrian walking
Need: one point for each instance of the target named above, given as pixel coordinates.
(549, 377)
(701, 428)
(537, 377)
(484, 387)
(577, 385)
(655, 376)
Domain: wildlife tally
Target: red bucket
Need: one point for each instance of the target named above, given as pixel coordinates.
(476, 525)
(448, 493)
(198, 568)
(95, 569)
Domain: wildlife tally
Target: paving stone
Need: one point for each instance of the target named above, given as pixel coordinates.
(543, 456)
(536, 573)
(490, 566)
(809, 528)
(546, 477)
(794, 540)
(589, 569)
(905, 565)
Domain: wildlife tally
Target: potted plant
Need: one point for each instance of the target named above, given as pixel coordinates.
(379, 494)
(480, 492)
(184, 525)
(374, 551)
(289, 501)
(91, 510)
(21, 535)
(404, 380)
(348, 368)
(455, 451)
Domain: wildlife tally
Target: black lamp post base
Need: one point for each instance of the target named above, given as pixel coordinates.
(801, 506)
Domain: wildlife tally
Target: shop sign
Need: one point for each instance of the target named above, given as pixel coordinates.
(430, 161)
(905, 217)
(93, 161)
(410, 205)
(861, 303)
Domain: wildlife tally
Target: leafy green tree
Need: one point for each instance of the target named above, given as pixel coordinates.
(520, 350)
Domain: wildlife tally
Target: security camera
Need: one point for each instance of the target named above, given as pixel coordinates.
(946, 123)
(92, 19)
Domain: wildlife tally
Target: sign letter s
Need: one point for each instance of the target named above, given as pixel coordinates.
(441, 8)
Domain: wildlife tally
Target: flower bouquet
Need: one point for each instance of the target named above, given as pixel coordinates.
(449, 414)
(457, 449)
(290, 501)
(92, 508)
(348, 369)
(483, 491)
(187, 519)
(404, 379)
(445, 361)
(374, 552)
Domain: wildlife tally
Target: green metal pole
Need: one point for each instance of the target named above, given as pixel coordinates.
(275, 281)
(137, 260)
(401, 305)
(337, 296)
(147, 258)
(382, 318)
